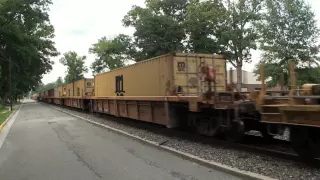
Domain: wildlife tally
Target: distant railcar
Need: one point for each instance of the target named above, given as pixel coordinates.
(76, 94)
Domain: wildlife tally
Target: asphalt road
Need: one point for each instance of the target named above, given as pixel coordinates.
(45, 144)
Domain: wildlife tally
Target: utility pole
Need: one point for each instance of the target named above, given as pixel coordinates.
(10, 86)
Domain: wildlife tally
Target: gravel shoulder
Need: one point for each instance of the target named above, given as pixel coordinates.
(264, 165)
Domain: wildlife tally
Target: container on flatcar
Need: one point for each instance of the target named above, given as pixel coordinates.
(164, 75)
(51, 92)
(89, 87)
(69, 89)
(75, 94)
(80, 88)
(46, 93)
(61, 91)
(56, 99)
(83, 87)
(56, 92)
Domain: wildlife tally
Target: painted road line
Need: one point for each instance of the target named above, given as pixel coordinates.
(5, 126)
(211, 164)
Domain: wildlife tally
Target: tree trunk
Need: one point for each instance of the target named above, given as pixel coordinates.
(239, 77)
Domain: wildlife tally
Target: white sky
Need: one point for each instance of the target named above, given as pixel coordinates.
(78, 24)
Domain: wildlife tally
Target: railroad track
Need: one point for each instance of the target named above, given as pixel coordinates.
(276, 148)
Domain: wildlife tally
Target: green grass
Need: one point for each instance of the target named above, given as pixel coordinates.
(2, 108)
(4, 116)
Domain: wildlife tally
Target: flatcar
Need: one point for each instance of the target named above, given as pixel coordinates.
(298, 111)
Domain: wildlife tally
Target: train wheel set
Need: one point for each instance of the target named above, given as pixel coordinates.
(190, 91)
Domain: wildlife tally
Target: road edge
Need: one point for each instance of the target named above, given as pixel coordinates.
(8, 118)
(211, 164)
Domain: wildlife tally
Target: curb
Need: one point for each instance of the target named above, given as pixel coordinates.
(5, 122)
(210, 164)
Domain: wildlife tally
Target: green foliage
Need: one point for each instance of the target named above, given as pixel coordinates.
(59, 81)
(111, 53)
(75, 66)
(159, 27)
(289, 31)
(308, 75)
(303, 74)
(25, 40)
(2, 108)
(216, 26)
(284, 29)
(163, 26)
(240, 33)
(204, 24)
(45, 87)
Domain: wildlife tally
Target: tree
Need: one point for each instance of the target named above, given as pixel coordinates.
(112, 53)
(289, 31)
(204, 26)
(25, 46)
(44, 87)
(159, 27)
(240, 34)
(224, 27)
(75, 66)
(59, 81)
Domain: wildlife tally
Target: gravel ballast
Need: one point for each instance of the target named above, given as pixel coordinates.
(264, 165)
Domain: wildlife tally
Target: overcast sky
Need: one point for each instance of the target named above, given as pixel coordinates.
(78, 24)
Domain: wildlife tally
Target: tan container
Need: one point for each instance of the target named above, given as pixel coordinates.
(89, 87)
(69, 90)
(60, 91)
(83, 87)
(56, 92)
(80, 88)
(161, 76)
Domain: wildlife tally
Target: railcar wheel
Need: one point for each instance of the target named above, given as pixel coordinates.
(204, 125)
(314, 141)
(208, 126)
(305, 142)
(265, 133)
(236, 132)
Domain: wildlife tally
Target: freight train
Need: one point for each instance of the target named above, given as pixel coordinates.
(188, 90)
(299, 111)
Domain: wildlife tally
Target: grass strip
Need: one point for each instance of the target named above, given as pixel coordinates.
(4, 116)
(2, 108)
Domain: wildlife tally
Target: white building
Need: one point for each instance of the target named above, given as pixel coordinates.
(250, 82)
